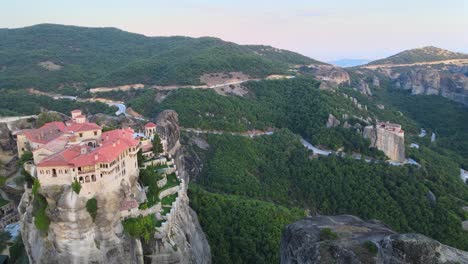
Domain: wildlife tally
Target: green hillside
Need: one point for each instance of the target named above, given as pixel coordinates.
(425, 54)
(78, 56)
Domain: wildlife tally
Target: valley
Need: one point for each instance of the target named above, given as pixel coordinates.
(258, 139)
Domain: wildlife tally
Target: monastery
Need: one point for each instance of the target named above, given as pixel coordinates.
(77, 150)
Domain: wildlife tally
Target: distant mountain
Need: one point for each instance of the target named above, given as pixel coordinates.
(425, 54)
(349, 62)
(49, 55)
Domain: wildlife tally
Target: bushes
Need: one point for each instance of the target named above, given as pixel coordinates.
(157, 146)
(36, 187)
(371, 247)
(140, 227)
(41, 220)
(76, 187)
(27, 156)
(91, 207)
(327, 234)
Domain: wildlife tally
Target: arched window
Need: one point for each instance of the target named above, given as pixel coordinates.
(93, 178)
(87, 179)
(81, 179)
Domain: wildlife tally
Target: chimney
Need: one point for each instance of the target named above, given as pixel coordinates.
(83, 150)
(95, 157)
(113, 144)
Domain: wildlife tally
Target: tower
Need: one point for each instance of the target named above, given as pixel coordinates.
(150, 130)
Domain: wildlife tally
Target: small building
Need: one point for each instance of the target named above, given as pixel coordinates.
(150, 130)
(8, 213)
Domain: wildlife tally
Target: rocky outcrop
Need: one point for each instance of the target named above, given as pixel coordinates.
(332, 121)
(363, 88)
(358, 241)
(73, 236)
(330, 74)
(450, 81)
(389, 138)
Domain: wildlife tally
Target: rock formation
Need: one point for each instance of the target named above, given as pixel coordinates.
(389, 138)
(330, 74)
(332, 121)
(357, 241)
(450, 81)
(73, 236)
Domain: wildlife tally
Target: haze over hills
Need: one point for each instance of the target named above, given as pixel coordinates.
(425, 54)
(349, 62)
(49, 55)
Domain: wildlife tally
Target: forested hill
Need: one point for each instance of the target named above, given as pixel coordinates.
(47, 55)
(425, 54)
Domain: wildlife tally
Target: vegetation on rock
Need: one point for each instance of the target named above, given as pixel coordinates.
(140, 227)
(76, 187)
(91, 207)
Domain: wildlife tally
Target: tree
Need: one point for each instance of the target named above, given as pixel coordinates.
(47, 117)
(76, 186)
(36, 187)
(91, 207)
(157, 145)
(26, 156)
(140, 158)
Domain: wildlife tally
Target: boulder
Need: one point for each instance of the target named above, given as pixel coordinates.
(359, 241)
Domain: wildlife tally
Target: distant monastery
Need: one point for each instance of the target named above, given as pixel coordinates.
(77, 150)
(389, 138)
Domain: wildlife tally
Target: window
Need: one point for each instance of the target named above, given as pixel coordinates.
(81, 134)
(95, 133)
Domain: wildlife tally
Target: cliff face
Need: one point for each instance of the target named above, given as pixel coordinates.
(330, 74)
(392, 144)
(358, 241)
(450, 81)
(73, 236)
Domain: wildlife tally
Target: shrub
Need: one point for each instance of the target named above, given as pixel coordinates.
(76, 186)
(157, 146)
(91, 207)
(41, 220)
(142, 227)
(371, 247)
(27, 155)
(327, 234)
(36, 187)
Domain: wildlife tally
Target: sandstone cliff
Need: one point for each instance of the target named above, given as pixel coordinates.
(73, 236)
(447, 78)
(358, 241)
(392, 143)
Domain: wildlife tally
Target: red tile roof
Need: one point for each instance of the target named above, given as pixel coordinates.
(45, 133)
(80, 127)
(150, 124)
(113, 144)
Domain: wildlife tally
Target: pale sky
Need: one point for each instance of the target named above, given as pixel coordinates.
(325, 30)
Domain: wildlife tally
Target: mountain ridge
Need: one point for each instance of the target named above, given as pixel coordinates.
(424, 54)
(51, 55)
